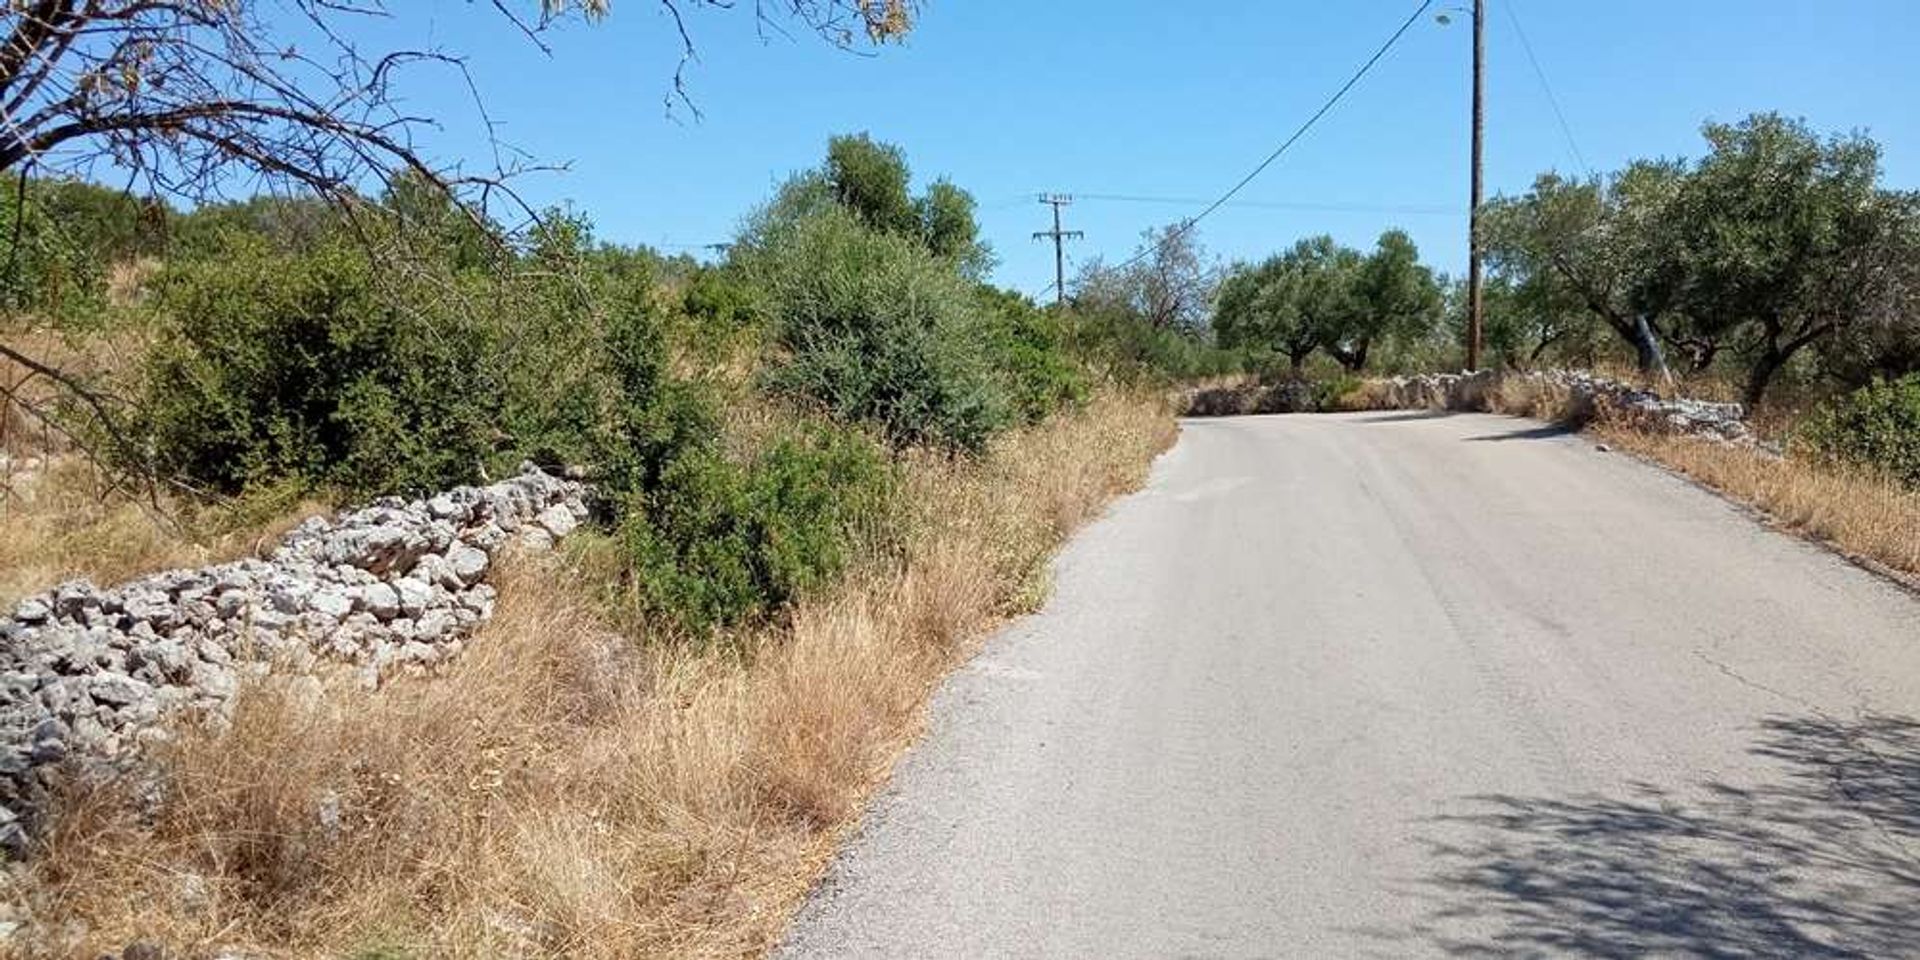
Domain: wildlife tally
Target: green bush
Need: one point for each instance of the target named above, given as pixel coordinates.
(1327, 391)
(276, 365)
(1876, 426)
(876, 328)
(720, 302)
(288, 359)
(61, 236)
(718, 543)
(1027, 347)
(582, 363)
(1131, 349)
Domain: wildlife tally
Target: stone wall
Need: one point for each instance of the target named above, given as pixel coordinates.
(1570, 394)
(87, 674)
(1583, 395)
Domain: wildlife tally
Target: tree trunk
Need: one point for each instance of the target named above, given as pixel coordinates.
(1355, 359)
(1646, 349)
(1761, 377)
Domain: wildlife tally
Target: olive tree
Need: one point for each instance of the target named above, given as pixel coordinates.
(1779, 239)
(1587, 240)
(1884, 341)
(1293, 303)
(1392, 294)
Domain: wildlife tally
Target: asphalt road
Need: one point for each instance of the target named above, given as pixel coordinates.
(1399, 684)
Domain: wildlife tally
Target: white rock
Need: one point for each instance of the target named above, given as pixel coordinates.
(33, 610)
(152, 608)
(288, 594)
(167, 657)
(118, 690)
(330, 601)
(469, 564)
(417, 652)
(214, 680)
(434, 568)
(381, 600)
(557, 520)
(434, 625)
(213, 651)
(415, 596)
(232, 602)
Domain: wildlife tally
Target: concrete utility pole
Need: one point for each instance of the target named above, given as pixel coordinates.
(1473, 216)
(1058, 236)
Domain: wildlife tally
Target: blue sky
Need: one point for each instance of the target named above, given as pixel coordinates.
(1157, 99)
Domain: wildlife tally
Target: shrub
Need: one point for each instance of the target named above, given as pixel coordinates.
(1877, 427)
(584, 365)
(284, 359)
(274, 365)
(1331, 393)
(1027, 348)
(720, 301)
(878, 329)
(1133, 350)
(61, 237)
(716, 542)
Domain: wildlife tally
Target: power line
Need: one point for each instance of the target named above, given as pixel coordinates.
(1188, 224)
(1427, 209)
(1565, 129)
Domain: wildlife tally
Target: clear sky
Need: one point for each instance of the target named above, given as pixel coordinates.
(1159, 99)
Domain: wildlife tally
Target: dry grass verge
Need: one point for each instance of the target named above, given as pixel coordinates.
(64, 520)
(1860, 514)
(561, 790)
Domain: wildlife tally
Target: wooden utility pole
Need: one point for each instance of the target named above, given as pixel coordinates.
(1473, 215)
(1058, 236)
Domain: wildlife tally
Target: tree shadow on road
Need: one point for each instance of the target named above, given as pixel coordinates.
(1539, 432)
(1404, 416)
(1820, 861)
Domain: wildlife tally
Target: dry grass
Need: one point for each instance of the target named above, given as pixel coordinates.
(96, 359)
(562, 791)
(1371, 394)
(1541, 400)
(1860, 514)
(128, 281)
(63, 521)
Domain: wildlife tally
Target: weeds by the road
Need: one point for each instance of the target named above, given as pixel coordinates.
(562, 791)
(1860, 512)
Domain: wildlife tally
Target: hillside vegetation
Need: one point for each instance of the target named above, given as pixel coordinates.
(822, 465)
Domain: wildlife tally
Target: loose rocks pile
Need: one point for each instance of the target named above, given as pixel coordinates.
(1586, 395)
(87, 673)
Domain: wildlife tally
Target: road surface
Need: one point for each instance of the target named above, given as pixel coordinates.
(1401, 684)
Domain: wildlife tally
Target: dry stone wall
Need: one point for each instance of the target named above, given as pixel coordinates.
(86, 674)
(1576, 394)
(1585, 396)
